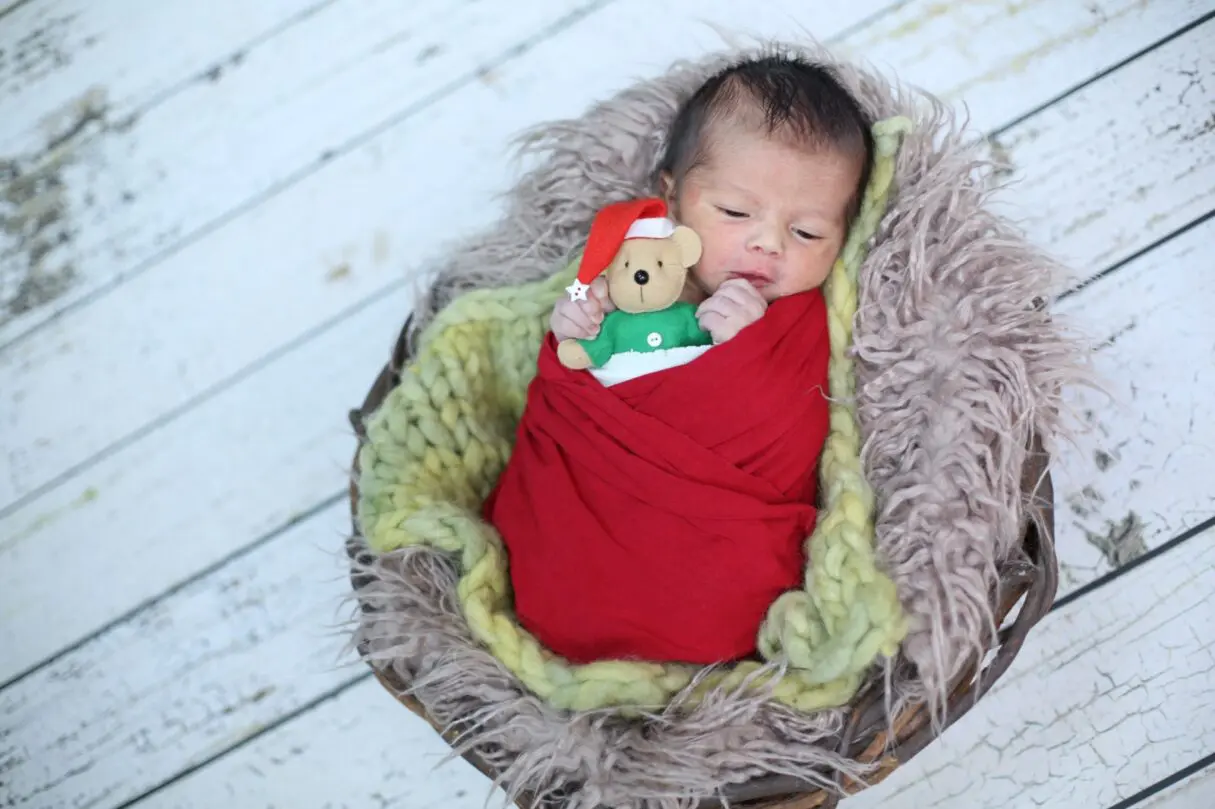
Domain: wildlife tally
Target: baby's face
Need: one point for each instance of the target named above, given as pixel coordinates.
(766, 211)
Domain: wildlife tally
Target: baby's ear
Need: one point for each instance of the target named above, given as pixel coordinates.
(688, 243)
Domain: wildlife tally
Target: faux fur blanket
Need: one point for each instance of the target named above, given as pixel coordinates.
(959, 366)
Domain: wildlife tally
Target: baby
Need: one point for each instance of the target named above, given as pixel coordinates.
(767, 162)
(659, 520)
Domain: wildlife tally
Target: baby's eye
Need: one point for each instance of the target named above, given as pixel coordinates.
(803, 234)
(731, 213)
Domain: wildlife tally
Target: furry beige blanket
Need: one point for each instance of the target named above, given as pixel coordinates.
(960, 367)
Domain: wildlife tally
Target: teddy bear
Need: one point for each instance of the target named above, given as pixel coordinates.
(645, 258)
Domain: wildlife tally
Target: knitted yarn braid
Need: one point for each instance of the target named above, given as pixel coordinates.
(438, 443)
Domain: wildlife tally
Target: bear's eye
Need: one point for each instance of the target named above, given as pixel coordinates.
(626, 265)
(660, 265)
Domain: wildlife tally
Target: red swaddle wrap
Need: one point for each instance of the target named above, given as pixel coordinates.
(659, 518)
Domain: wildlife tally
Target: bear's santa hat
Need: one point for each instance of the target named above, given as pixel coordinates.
(633, 219)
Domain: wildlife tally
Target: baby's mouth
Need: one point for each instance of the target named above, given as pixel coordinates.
(755, 279)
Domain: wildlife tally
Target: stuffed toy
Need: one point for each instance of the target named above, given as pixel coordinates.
(645, 257)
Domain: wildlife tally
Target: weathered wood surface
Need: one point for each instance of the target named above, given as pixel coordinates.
(141, 51)
(75, 75)
(1162, 103)
(254, 651)
(158, 138)
(135, 476)
(1111, 694)
(390, 760)
(1143, 443)
(187, 678)
(310, 247)
(285, 250)
(998, 61)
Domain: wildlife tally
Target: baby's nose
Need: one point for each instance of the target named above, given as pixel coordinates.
(641, 277)
(766, 245)
(766, 239)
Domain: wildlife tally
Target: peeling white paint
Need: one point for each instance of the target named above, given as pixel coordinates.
(1109, 695)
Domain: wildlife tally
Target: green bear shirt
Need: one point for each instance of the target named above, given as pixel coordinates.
(673, 327)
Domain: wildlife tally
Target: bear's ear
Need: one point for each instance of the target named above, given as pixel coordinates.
(688, 243)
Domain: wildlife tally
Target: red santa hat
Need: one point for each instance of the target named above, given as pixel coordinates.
(633, 219)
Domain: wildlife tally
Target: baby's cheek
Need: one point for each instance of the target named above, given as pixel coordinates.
(715, 252)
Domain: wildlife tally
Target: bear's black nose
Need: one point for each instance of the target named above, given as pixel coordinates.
(641, 277)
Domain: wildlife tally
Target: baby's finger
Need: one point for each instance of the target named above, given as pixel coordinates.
(717, 304)
(745, 295)
(712, 322)
(562, 318)
(569, 324)
(721, 306)
(599, 294)
(587, 314)
(591, 309)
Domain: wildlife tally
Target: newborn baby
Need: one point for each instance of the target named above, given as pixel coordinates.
(767, 163)
(658, 519)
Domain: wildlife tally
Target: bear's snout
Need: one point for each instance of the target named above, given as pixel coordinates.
(641, 277)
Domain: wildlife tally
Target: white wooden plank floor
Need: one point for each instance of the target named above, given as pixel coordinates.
(210, 225)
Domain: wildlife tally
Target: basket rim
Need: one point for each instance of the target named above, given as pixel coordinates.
(1033, 580)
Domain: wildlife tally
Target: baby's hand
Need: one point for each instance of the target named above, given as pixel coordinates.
(580, 320)
(735, 305)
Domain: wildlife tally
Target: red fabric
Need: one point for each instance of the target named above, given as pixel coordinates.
(658, 519)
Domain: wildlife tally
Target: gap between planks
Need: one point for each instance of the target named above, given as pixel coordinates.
(1188, 788)
(8, 8)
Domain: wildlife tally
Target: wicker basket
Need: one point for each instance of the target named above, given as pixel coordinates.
(866, 736)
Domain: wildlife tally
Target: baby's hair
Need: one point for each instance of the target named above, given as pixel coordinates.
(795, 97)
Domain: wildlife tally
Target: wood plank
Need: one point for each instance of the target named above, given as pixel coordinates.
(392, 760)
(189, 677)
(74, 74)
(55, 50)
(157, 363)
(1132, 480)
(1126, 676)
(137, 182)
(1160, 105)
(261, 464)
(1111, 694)
(993, 58)
(97, 726)
(131, 496)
